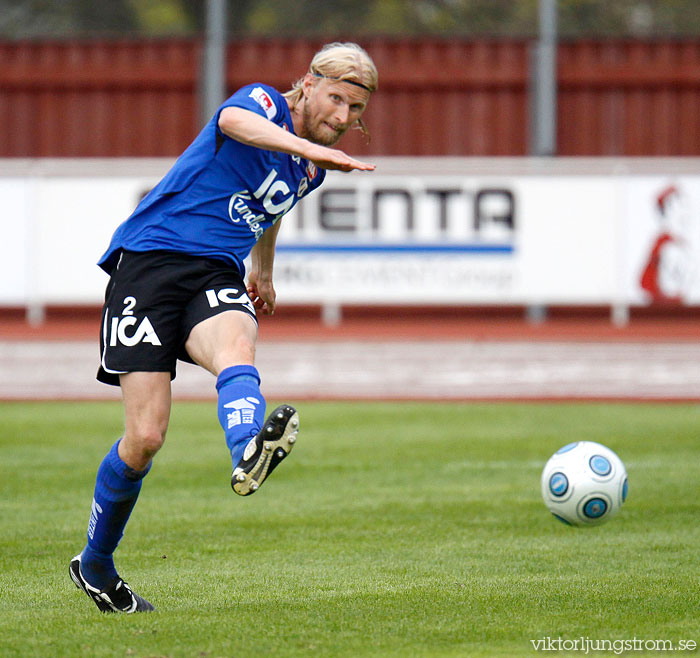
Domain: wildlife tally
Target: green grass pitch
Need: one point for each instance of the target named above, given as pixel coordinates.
(394, 529)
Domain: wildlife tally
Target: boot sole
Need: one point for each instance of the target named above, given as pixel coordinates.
(275, 442)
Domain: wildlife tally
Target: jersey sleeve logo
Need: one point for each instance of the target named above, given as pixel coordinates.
(263, 99)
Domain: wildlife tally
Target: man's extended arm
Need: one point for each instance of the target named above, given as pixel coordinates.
(252, 129)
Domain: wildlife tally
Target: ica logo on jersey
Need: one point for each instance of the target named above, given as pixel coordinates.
(276, 199)
(122, 329)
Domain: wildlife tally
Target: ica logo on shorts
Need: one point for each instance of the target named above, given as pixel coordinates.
(122, 328)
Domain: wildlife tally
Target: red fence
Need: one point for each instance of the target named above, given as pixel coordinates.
(629, 98)
(436, 97)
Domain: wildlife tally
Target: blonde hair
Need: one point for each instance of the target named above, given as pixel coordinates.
(343, 62)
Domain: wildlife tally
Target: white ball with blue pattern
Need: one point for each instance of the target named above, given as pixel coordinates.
(584, 484)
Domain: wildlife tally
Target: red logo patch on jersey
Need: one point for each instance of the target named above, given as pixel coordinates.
(311, 170)
(263, 99)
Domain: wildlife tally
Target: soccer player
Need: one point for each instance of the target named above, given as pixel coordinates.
(177, 287)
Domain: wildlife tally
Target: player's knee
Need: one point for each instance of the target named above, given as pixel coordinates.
(146, 439)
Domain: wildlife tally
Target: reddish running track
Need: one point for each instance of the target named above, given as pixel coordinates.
(394, 354)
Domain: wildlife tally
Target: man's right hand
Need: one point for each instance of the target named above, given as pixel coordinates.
(328, 158)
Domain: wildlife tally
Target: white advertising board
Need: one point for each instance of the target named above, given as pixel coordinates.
(489, 240)
(662, 227)
(450, 231)
(15, 226)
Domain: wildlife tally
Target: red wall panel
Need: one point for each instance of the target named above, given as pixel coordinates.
(629, 98)
(436, 97)
(97, 98)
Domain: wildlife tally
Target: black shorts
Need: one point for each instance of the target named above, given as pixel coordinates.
(152, 302)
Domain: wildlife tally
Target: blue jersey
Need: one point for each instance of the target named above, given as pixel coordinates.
(220, 195)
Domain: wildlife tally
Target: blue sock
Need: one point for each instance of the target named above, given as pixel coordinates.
(116, 490)
(241, 407)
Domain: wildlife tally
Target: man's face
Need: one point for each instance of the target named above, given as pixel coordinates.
(330, 108)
